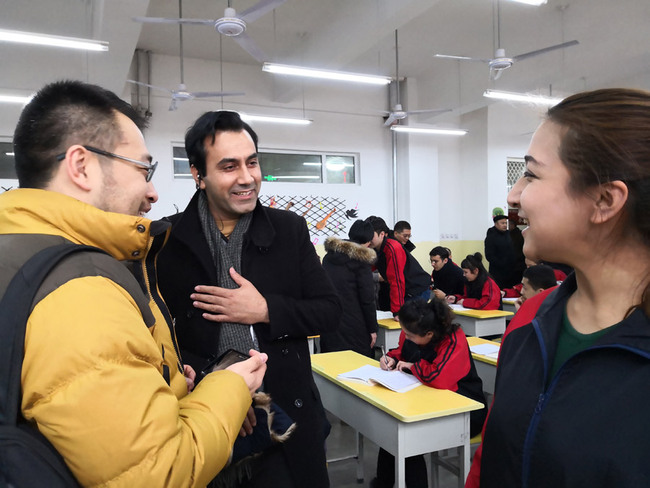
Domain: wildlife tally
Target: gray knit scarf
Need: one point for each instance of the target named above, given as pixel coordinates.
(226, 254)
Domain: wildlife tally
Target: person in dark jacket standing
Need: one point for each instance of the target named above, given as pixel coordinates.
(402, 234)
(500, 253)
(349, 266)
(571, 396)
(238, 275)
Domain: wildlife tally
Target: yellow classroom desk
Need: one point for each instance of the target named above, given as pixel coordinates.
(388, 333)
(509, 304)
(486, 367)
(481, 323)
(419, 421)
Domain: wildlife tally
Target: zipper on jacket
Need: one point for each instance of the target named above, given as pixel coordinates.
(542, 399)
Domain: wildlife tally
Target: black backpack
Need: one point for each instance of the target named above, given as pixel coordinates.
(27, 459)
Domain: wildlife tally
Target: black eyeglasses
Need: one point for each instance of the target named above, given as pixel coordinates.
(150, 167)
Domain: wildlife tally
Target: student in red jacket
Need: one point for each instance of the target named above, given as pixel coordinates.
(435, 350)
(481, 291)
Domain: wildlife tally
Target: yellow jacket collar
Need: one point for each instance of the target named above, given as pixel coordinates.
(31, 211)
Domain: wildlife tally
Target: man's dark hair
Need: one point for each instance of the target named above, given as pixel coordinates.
(443, 252)
(378, 224)
(540, 276)
(60, 115)
(207, 126)
(401, 226)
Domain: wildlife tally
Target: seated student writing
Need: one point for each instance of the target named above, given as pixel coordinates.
(536, 279)
(435, 350)
(481, 291)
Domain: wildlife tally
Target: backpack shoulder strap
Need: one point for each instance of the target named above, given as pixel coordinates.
(39, 276)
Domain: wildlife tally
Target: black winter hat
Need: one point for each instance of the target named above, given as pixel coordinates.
(496, 218)
(361, 232)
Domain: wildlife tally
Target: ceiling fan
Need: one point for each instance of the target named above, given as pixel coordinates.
(231, 24)
(398, 113)
(501, 62)
(181, 94)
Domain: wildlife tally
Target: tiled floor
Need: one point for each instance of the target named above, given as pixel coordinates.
(343, 474)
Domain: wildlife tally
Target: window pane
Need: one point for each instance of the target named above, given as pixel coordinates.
(181, 163)
(291, 168)
(339, 169)
(7, 169)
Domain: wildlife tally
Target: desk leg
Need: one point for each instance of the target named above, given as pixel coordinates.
(400, 470)
(464, 458)
(360, 474)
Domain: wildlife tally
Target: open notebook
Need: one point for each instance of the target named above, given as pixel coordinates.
(372, 375)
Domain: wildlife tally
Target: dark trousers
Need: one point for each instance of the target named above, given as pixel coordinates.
(416, 471)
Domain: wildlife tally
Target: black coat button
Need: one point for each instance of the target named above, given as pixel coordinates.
(189, 313)
(298, 403)
(285, 351)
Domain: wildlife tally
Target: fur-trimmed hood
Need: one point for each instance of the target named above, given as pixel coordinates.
(350, 249)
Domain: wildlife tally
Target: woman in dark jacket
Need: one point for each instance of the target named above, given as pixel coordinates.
(572, 390)
(348, 264)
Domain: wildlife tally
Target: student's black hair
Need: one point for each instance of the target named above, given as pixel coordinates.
(419, 317)
(378, 224)
(474, 262)
(206, 127)
(540, 276)
(60, 115)
(443, 252)
(401, 226)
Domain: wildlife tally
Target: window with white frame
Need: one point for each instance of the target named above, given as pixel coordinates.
(287, 166)
(516, 167)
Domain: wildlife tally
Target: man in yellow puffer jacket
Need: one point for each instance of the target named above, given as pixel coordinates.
(106, 390)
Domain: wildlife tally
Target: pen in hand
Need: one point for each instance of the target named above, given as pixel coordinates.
(383, 352)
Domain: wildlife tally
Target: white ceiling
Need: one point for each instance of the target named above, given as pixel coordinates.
(352, 35)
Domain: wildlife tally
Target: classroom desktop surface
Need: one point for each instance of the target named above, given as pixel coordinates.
(476, 341)
(482, 314)
(420, 403)
(391, 324)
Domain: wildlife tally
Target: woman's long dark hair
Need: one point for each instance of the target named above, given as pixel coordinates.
(474, 262)
(419, 317)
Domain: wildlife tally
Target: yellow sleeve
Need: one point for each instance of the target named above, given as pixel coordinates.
(92, 382)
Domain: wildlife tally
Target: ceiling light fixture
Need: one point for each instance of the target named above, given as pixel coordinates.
(420, 130)
(521, 97)
(52, 41)
(15, 98)
(275, 120)
(324, 74)
(537, 3)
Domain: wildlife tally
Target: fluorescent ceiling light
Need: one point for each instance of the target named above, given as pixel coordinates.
(521, 97)
(297, 177)
(52, 41)
(537, 3)
(9, 154)
(325, 74)
(419, 130)
(15, 98)
(276, 120)
(311, 164)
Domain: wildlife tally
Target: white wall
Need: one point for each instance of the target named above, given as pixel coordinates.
(447, 187)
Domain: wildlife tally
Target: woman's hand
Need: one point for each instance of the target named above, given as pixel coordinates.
(403, 365)
(388, 364)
